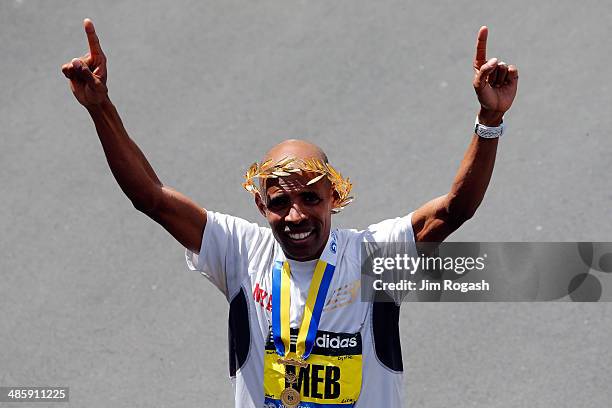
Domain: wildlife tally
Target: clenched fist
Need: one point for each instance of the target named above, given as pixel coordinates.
(87, 74)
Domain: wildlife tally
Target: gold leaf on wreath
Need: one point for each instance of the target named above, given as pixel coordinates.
(288, 165)
(314, 180)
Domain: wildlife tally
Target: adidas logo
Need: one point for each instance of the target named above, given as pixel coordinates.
(327, 341)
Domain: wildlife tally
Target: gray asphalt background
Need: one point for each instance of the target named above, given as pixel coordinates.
(95, 296)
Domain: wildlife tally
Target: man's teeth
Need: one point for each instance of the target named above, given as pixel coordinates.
(301, 235)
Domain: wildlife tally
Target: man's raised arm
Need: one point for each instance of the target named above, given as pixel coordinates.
(179, 215)
(495, 84)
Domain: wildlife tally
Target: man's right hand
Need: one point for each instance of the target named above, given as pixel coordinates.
(178, 214)
(87, 74)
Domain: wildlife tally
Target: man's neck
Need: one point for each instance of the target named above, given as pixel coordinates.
(310, 258)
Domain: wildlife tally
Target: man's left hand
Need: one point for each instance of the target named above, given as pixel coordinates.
(495, 83)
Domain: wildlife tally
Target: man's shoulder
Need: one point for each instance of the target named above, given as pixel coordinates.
(246, 237)
(221, 223)
(224, 218)
(389, 229)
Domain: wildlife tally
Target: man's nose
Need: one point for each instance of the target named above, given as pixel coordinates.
(295, 214)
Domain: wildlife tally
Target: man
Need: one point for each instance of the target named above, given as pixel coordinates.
(298, 334)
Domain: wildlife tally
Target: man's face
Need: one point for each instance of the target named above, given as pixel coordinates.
(299, 215)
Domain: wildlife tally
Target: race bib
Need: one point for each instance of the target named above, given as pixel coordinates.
(331, 379)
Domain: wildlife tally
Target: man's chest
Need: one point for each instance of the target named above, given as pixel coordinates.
(343, 310)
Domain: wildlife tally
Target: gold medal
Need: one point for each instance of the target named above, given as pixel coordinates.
(290, 397)
(281, 332)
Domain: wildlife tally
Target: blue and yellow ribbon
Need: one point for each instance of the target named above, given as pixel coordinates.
(281, 304)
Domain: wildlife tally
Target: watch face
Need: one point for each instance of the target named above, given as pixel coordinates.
(489, 132)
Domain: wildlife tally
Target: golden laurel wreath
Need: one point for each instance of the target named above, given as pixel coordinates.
(289, 165)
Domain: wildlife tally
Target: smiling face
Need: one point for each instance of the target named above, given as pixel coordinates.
(299, 214)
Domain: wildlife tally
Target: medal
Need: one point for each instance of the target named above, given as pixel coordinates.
(290, 397)
(307, 333)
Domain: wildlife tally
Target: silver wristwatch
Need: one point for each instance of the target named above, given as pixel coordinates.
(488, 132)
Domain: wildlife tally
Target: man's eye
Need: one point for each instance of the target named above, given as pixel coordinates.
(278, 202)
(311, 198)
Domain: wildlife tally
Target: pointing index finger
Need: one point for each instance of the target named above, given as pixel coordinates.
(480, 58)
(92, 38)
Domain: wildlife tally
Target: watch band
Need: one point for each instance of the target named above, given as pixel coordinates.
(488, 132)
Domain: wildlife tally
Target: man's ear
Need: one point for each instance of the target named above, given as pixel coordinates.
(335, 198)
(260, 204)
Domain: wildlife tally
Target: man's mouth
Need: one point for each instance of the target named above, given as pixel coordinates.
(298, 236)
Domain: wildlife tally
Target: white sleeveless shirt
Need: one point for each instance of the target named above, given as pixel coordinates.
(238, 256)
